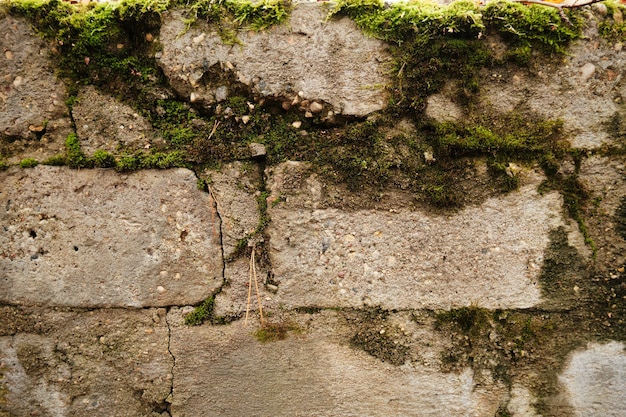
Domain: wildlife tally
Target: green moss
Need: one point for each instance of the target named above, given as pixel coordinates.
(272, 332)
(402, 21)
(56, 160)
(230, 16)
(29, 163)
(3, 165)
(575, 197)
(467, 318)
(612, 28)
(75, 158)
(173, 118)
(201, 313)
(533, 26)
(436, 43)
(100, 44)
(103, 159)
(513, 135)
(157, 160)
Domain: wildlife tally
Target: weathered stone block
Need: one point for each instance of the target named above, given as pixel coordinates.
(33, 114)
(595, 380)
(103, 362)
(99, 238)
(313, 372)
(105, 123)
(489, 255)
(331, 61)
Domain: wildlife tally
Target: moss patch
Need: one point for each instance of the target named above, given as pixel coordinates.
(377, 337)
(274, 331)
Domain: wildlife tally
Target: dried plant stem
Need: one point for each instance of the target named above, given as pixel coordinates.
(256, 284)
(252, 274)
(249, 289)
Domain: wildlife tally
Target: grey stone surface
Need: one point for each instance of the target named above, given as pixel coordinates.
(489, 255)
(568, 90)
(102, 122)
(98, 238)
(313, 372)
(33, 113)
(595, 380)
(102, 362)
(605, 180)
(327, 61)
(442, 109)
(522, 402)
(235, 187)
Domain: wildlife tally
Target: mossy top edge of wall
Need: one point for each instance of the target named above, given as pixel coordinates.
(430, 44)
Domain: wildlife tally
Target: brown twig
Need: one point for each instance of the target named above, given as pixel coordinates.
(249, 289)
(251, 274)
(215, 126)
(256, 284)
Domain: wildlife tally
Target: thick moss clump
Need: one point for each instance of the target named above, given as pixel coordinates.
(436, 43)
(101, 44)
(230, 16)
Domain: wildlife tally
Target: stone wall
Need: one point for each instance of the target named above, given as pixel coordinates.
(372, 304)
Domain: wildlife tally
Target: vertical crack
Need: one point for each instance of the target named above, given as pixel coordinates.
(204, 310)
(170, 397)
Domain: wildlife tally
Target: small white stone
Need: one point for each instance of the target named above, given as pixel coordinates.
(18, 81)
(316, 107)
(160, 289)
(221, 93)
(600, 8)
(587, 71)
(245, 119)
(297, 124)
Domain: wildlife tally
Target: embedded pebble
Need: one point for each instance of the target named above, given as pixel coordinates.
(618, 16)
(316, 107)
(587, 70)
(600, 8)
(257, 149)
(221, 93)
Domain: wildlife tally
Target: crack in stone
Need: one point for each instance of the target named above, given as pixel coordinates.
(170, 398)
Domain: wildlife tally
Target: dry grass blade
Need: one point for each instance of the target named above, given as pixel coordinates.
(249, 288)
(256, 284)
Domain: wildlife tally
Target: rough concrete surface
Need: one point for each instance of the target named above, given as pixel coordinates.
(102, 122)
(362, 292)
(332, 62)
(98, 238)
(488, 255)
(595, 380)
(314, 371)
(585, 89)
(235, 187)
(84, 363)
(33, 113)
